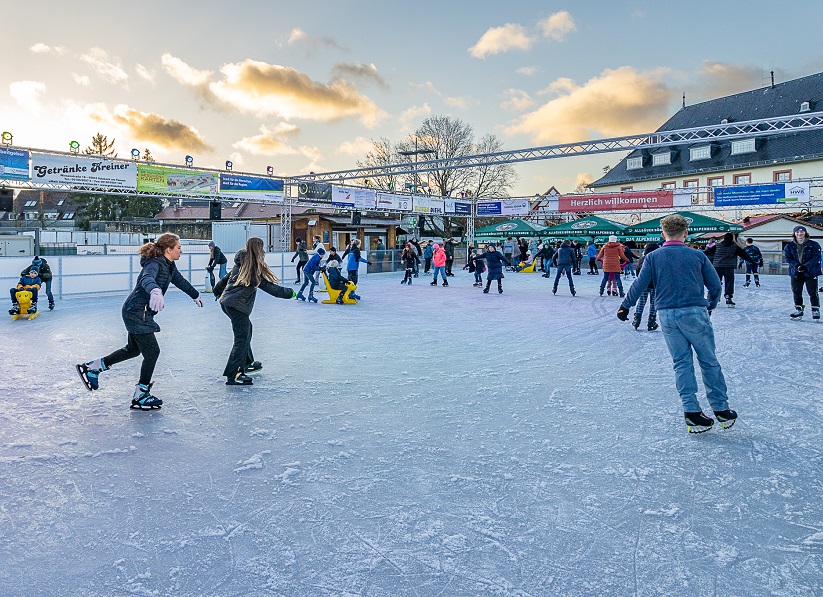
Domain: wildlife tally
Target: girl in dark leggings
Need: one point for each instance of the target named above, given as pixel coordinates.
(237, 292)
(301, 253)
(145, 301)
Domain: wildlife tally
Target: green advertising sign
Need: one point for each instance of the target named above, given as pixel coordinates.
(156, 179)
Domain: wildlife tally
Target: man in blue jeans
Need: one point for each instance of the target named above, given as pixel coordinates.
(679, 275)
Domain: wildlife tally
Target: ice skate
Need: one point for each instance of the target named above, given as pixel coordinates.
(697, 422)
(798, 312)
(486, 290)
(403, 281)
(311, 299)
(410, 281)
(622, 294)
(339, 300)
(573, 291)
(143, 400)
(729, 302)
(241, 379)
(726, 418)
(445, 283)
(90, 372)
(434, 283)
(15, 309)
(636, 320)
(499, 290)
(300, 297)
(51, 306)
(816, 313)
(747, 284)
(255, 366)
(32, 308)
(652, 324)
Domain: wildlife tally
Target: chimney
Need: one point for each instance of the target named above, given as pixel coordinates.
(772, 73)
(684, 99)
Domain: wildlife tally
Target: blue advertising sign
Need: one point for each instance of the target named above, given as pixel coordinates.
(241, 186)
(14, 164)
(489, 208)
(770, 194)
(458, 208)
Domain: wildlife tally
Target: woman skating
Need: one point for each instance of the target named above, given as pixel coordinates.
(145, 301)
(237, 292)
(494, 262)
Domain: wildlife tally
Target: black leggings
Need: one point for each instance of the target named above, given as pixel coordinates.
(145, 344)
(300, 266)
(241, 354)
(727, 275)
(811, 288)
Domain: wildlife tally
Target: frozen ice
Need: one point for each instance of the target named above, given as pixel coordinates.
(428, 441)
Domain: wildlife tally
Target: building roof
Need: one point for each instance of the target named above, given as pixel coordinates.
(266, 211)
(783, 99)
(755, 221)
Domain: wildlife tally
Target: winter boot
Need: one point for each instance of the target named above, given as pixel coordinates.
(300, 297)
(697, 422)
(32, 308)
(434, 282)
(339, 300)
(89, 373)
(636, 320)
(51, 306)
(486, 289)
(652, 324)
(240, 379)
(15, 309)
(729, 302)
(798, 312)
(815, 312)
(499, 288)
(726, 418)
(312, 299)
(142, 398)
(445, 283)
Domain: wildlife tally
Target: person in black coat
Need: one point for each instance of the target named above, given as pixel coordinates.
(494, 262)
(144, 302)
(236, 293)
(45, 276)
(217, 259)
(724, 258)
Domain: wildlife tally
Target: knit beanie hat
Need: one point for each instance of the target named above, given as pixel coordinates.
(321, 251)
(798, 228)
(613, 239)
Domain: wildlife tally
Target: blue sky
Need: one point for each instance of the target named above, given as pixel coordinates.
(306, 86)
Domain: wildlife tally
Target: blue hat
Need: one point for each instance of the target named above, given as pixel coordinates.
(321, 251)
(37, 261)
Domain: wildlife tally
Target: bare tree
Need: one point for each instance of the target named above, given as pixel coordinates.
(381, 154)
(147, 156)
(491, 180)
(100, 146)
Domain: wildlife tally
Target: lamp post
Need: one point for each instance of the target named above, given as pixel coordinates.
(416, 152)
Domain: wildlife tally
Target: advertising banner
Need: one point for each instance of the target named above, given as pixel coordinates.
(761, 194)
(514, 207)
(83, 171)
(239, 186)
(616, 201)
(427, 205)
(319, 192)
(393, 202)
(458, 208)
(14, 164)
(352, 197)
(156, 179)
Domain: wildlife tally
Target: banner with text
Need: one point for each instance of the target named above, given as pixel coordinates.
(513, 207)
(83, 171)
(156, 179)
(239, 186)
(762, 194)
(393, 202)
(14, 164)
(319, 192)
(616, 201)
(352, 197)
(427, 205)
(458, 208)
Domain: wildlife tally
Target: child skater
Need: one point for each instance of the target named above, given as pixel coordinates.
(494, 260)
(236, 293)
(476, 266)
(145, 301)
(31, 282)
(409, 258)
(648, 295)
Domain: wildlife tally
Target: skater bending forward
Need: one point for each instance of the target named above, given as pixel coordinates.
(679, 275)
(236, 293)
(145, 301)
(494, 263)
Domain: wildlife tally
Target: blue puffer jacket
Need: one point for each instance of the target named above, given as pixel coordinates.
(353, 259)
(809, 257)
(565, 256)
(313, 265)
(591, 251)
(494, 261)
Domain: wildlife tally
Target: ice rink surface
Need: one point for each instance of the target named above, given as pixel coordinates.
(428, 441)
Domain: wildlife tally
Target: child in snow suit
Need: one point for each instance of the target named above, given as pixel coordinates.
(30, 282)
(45, 275)
(145, 301)
(680, 275)
(494, 262)
(236, 293)
(409, 258)
(752, 251)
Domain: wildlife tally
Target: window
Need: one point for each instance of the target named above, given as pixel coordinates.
(700, 153)
(68, 216)
(623, 189)
(51, 215)
(742, 179)
(61, 202)
(805, 107)
(743, 146)
(634, 163)
(668, 185)
(715, 182)
(690, 184)
(31, 215)
(30, 204)
(783, 176)
(662, 159)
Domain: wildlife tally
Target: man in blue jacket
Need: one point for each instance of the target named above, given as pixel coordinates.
(679, 275)
(803, 257)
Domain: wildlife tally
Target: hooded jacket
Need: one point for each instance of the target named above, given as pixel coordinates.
(157, 272)
(612, 254)
(808, 254)
(241, 297)
(494, 261)
(217, 257)
(564, 257)
(725, 253)
(439, 256)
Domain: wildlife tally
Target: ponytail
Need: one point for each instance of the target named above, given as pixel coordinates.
(167, 240)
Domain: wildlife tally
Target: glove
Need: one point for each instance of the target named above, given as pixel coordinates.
(710, 312)
(801, 268)
(623, 314)
(198, 301)
(209, 269)
(293, 293)
(156, 302)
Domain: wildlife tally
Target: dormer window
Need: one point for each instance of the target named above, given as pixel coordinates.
(724, 121)
(743, 146)
(634, 163)
(700, 153)
(805, 107)
(662, 159)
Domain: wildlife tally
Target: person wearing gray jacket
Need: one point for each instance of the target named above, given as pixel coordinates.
(724, 256)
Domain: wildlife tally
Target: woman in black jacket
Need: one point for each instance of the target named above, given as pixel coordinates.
(237, 292)
(145, 301)
(494, 263)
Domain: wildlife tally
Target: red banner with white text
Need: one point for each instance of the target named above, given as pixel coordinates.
(616, 201)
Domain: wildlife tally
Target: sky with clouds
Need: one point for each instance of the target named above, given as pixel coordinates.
(306, 85)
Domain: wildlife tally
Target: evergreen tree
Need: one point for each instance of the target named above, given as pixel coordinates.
(147, 156)
(100, 146)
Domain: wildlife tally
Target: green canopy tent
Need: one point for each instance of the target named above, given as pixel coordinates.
(591, 226)
(698, 224)
(513, 228)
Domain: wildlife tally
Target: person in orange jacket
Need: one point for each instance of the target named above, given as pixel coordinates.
(612, 255)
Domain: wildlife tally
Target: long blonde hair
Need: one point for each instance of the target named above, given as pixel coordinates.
(167, 240)
(254, 269)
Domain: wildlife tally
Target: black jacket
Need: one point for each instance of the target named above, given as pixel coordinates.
(217, 257)
(45, 271)
(240, 297)
(725, 254)
(157, 272)
(495, 261)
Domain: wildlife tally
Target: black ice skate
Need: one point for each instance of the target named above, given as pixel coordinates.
(241, 379)
(697, 422)
(652, 324)
(636, 320)
(816, 313)
(15, 309)
(726, 418)
(143, 400)
(798, 312)
(255, 366)
(729, 302)
(90, 372)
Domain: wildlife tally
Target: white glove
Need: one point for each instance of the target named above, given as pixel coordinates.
(198, 301)
(156, 302)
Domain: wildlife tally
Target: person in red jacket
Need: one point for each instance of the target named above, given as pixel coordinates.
(439, 264)
(612, 255)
